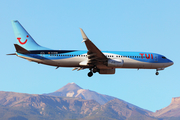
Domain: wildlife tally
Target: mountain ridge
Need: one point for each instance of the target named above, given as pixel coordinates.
(171, 110)
(73, 90)
(77, 103)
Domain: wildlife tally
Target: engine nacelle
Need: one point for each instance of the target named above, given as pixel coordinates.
(107, 71)
(115, 63)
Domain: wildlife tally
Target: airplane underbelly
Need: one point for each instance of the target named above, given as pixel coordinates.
(159, 65)
(70, 62)
(142, 65)
(136, 64)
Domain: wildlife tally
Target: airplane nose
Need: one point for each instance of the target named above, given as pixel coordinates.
(171, 62)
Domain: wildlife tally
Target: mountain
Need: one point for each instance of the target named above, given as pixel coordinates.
(172, 111)
(73, 106)
(73, 90)
(20, 106)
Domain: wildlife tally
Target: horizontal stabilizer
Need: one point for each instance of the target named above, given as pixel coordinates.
(20, 49)
(11, 54)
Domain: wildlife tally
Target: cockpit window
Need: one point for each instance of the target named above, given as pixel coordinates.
(164, 57)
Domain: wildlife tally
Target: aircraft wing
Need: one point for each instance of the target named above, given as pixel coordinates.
(94, 54)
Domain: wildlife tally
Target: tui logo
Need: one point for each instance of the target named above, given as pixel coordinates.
(147, 57)
(22, 43)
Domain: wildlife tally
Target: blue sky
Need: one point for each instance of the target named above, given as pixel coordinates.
(150, 26)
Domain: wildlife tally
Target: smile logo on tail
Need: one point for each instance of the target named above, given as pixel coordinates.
(22, 43)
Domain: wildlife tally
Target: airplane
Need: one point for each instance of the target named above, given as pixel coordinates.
(103, 62)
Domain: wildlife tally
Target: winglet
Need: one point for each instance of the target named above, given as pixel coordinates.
(83, 35)
(92, 48)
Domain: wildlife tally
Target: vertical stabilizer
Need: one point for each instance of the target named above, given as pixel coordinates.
(24, 39)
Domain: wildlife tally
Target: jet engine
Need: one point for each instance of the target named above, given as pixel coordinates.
(107, 71)
(115, 63)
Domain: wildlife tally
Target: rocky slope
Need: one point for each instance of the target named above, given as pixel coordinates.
(173, 110)
(119, 110)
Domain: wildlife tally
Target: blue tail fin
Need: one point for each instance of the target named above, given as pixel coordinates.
(24, 39)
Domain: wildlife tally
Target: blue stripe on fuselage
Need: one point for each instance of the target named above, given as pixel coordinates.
(64, 54)
(142, 56)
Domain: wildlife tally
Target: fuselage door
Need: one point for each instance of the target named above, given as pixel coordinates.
(42, 54)
(155, 58)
